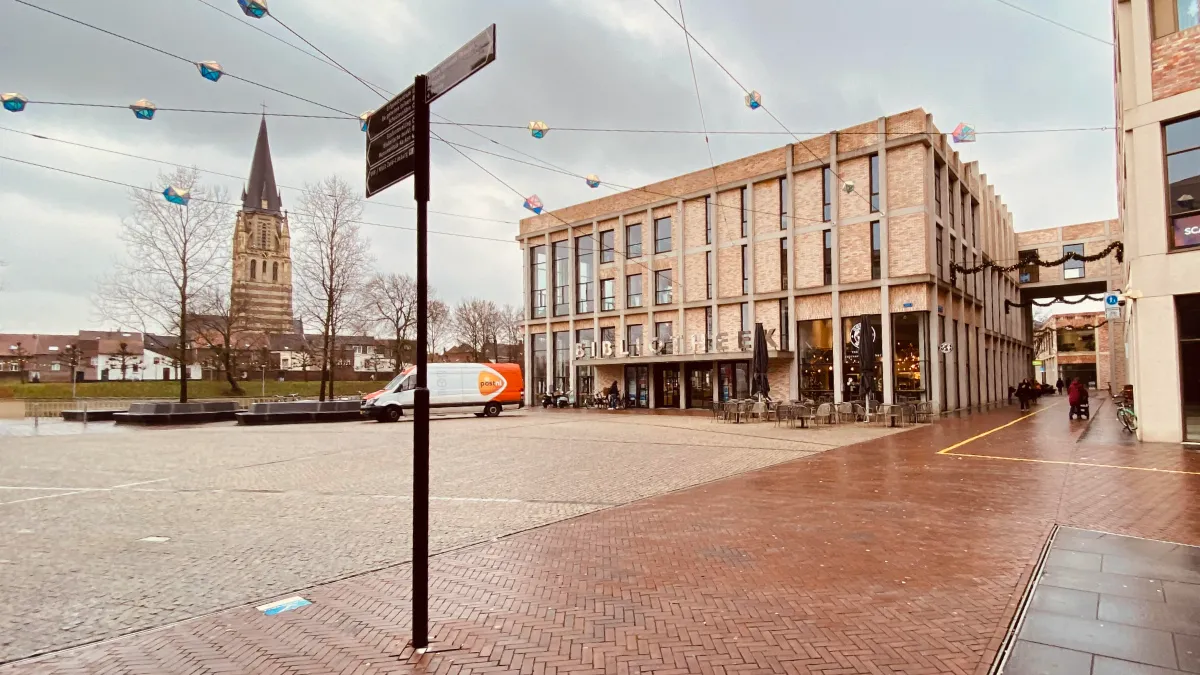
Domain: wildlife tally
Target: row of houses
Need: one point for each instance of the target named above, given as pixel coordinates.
(91, 356)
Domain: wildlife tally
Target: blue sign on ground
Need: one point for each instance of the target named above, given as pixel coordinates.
(287, 604)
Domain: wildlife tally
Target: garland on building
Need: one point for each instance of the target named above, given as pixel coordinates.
(1033, 259)
(1050, 301)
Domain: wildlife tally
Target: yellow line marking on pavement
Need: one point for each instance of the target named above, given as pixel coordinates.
(947, 451)
(989, 432)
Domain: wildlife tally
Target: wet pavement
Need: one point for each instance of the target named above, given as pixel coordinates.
(905, 554)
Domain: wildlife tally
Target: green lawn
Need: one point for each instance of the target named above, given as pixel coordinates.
(169, 389)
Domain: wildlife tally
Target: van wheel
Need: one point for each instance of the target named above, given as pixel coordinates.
(492, 410)
(392, 413)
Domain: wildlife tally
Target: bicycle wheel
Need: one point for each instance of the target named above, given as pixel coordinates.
(1128, 419)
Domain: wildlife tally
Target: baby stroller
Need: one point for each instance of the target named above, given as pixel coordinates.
(1081, 411)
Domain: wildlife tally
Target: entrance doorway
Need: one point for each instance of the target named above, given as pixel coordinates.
(700, 385)
(667, 387)
(1187, 311)
(733, 378)
(637, 386)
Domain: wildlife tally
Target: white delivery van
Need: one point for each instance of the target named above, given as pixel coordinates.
(480, 388)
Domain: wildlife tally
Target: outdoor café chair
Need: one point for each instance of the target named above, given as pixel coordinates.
(826, 414)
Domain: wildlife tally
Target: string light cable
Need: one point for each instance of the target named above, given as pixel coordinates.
(1047, 19)
(234, 176)
(299, 213)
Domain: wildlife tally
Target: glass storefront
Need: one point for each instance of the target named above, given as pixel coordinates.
(539, 363)
(666, 394)
(733, 380)
(1187, 311)
(814, 342)
(585, 376)
(700, 385)
(562, 362)
(637, 386)
(1076, 339)
(852, 336)
(910, 356)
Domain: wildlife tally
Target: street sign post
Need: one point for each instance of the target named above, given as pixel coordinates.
(398, 147)
(1112, 305)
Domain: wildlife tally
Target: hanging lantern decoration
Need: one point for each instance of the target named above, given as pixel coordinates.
(13, 102)
(848, 186)
(366, 118)
(176, 195)
(254, 8)
(754, 100)
(210, 70)
(143, 109)
(534, 204)
(963, 133)
(539, 129)
(593, 181)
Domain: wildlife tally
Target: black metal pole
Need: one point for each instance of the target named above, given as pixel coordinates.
(420, 558)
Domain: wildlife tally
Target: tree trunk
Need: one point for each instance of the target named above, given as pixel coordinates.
(183, 366)
(228, 360)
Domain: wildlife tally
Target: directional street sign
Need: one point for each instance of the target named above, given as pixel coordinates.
(460, 65)
(391, 142)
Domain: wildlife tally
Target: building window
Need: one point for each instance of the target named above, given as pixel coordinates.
(662, 287)
(708, 220)
(662, 333)
(662, 235)
(974, 224)
(952, 252)
(876, 253)
(633, 339)
(783, 202)
(874, 183)
(253, 269)
(785, 332)
(608, 295)
(1183, 181)
(746, 321)
(583, 266)
(562, 279)
(262, 235)
(633, 290)
(814, 342)
(1073, 269)
(827, 190)
(1172, 16)
(783, 263)
(608, 242)
(1075, 340)
(608, 335)
(708, 326)
(708, 274)
(562, 361)
(539, 363)
(941, 270)
(633, 240)
(745, 269)
(537, 281)
(953, 222)
(745, 212)
(937, 188)
(827, 258)
(274, 271)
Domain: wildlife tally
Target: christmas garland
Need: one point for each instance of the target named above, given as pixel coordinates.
(1050, 301)
(1033, 259)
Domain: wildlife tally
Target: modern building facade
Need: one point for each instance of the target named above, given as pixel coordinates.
(261, 294)
(659, 288)
(1158, 111)
(1077, 345)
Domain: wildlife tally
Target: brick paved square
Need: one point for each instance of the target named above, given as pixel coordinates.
(251, 513)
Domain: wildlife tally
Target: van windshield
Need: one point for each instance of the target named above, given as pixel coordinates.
(390, 386)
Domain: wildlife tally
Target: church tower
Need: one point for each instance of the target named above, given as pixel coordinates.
(262, 249)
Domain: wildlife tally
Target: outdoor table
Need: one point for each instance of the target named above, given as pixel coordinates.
(891, 413)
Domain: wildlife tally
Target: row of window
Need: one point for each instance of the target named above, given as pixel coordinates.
(969, 206)
(1072, 269)
(254, 270)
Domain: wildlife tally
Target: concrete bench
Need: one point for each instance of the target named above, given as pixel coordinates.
(178, 413)
(295, 412)
(89, 415)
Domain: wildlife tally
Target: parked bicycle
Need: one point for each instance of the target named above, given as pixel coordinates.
(1125, 414)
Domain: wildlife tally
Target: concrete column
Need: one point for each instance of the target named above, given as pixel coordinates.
(751, 272)
(527, 299)
(838, 346)
(572, 307)
(936, 375)
(885, 306)
(794, 368)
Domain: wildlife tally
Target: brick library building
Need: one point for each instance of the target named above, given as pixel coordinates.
(846, 237)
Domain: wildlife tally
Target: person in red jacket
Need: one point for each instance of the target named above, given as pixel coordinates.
(1077, 396)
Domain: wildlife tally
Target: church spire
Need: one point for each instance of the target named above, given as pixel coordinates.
(261, 194)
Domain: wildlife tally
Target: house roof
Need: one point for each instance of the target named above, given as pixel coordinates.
(33, 344)
(261, 187)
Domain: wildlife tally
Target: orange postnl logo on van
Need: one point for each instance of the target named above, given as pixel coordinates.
(490, 383)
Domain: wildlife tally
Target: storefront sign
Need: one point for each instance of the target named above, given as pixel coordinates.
(1187, 231)
(741, 341)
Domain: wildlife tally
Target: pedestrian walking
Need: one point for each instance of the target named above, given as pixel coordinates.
(1024, 394)
(1077, 398)
(1060, 386)
(614, 395)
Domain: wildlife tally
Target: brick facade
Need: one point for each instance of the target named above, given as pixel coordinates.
(1174, 60)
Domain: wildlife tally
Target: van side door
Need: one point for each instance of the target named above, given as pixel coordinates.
(445, 387)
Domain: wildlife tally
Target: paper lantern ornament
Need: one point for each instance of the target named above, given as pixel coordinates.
(848, 186)
(254, 8)
(593, 181)
(539, 129)
(534, 204)
(176, 195)
(13, 102)
(210, 70)
(143, 109)
(366, 118)
(754, 100)
(963, 133)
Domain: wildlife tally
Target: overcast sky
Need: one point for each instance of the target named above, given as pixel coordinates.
(619, 63)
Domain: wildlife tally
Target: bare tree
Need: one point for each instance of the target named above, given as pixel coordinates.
(476, 324)
(71, 356)
(440, 326)
(392, 299)
(305, 358)
(220, 324)
(174, 254)
(122, 359)
(331, 258)
(21, 356)
(512, 329)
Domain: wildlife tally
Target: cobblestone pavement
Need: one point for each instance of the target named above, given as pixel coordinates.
(250, 513)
